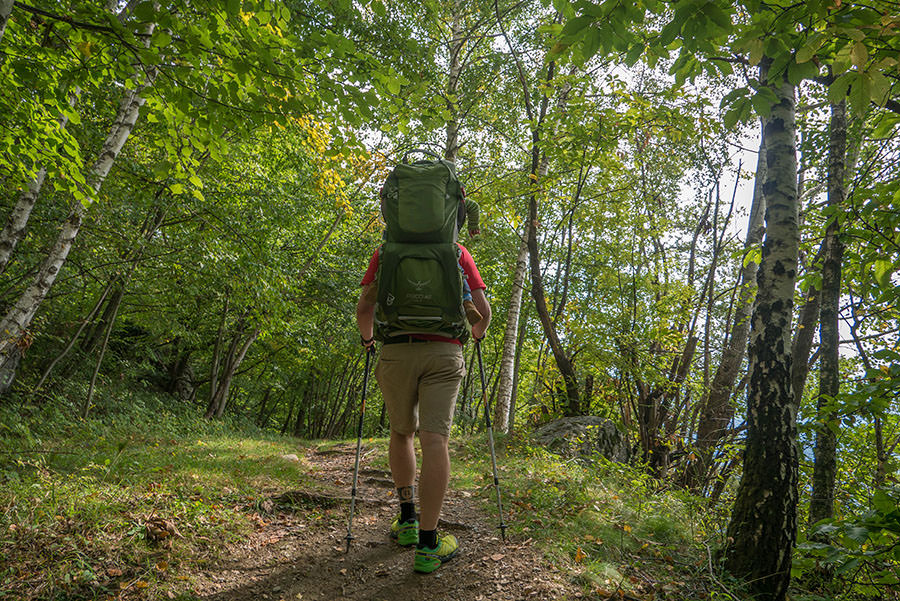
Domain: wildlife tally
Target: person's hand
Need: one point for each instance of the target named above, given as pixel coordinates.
(368, 344)
(477, 333)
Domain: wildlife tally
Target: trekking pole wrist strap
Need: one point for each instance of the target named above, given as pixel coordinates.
(366, 341)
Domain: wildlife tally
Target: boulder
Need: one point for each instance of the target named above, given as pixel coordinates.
(583, 436)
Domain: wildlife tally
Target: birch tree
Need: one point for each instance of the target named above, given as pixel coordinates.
(5, 10)
(763, 524)
(19, 317)
(716, 409)
(821, 504)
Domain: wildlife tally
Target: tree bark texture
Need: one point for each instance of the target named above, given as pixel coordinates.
(539, 166)
(455, 47)
(5, 10)
(763, 525)
(801, 346)
(236, 353)
(505, 390)
(821, 505)
(17, 320)
(14, 229)
(717, 409)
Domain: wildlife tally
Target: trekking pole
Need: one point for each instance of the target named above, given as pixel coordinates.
(362, 412)
(490, 431)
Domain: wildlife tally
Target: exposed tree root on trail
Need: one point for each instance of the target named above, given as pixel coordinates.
(299, 554)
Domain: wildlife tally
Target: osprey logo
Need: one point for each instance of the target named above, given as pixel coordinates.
(390, 299)
(418, 285)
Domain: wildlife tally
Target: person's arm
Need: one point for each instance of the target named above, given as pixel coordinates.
(472, 216)
(365, 315)
(484, 307)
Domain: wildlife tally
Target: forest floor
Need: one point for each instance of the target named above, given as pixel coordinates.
(302, 554)
(143, 503)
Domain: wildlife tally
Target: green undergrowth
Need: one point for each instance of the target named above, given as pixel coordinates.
(124, 504)
(613, 527)
(116, 505)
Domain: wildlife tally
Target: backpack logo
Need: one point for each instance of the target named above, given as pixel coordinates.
(390, 299)
(418, 285)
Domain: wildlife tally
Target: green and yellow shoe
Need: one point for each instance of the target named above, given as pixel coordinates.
(428, 560)
(405, 534)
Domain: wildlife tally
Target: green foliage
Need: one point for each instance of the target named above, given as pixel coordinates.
(606, 520)
(860, 554)
(79, 495)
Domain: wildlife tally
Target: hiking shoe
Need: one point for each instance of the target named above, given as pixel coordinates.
(428, 560)
(405, 534)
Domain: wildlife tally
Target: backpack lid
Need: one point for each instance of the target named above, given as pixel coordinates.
(420, 201)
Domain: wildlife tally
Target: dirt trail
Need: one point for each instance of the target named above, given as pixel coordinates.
(294, 556)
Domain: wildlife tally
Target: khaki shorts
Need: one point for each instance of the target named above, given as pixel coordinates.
(419, 382)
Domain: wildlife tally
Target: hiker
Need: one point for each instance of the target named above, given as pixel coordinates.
(419, 376)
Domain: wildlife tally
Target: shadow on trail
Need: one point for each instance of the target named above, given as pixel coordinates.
(301, 556)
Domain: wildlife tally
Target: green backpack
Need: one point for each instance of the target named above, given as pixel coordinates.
(420, 284)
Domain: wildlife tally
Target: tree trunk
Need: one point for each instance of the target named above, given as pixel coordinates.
(15, 226)
(216, 359)
(112, 322)
(510, 336)
(5, 10)
(801, 346)
(523, 323)
(821, 505)
(232, 364)
(17, 320)
(717, 410)
(75, 337)
(763, 525)
(539, 166)
(18, 219)
(455, 49)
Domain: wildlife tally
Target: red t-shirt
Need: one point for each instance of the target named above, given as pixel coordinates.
(470, 272)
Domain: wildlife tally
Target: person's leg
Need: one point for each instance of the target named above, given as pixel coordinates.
(434, 479)
(402, 459)
(438, 389)
(396, 376)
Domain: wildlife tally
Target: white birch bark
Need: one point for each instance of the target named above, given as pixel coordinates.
(763, 527)
(14, 229)
(18, 218)
(5, 10)
(19, 317)
(507, 360)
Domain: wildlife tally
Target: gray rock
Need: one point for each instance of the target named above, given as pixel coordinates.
(583, 436)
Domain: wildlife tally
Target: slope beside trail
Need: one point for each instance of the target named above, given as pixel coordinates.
(300, 554)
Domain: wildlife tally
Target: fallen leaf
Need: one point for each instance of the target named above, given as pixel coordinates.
(497, 556)
(343, 571)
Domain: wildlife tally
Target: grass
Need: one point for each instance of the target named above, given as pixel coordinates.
(609, 524)
(77, 498)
